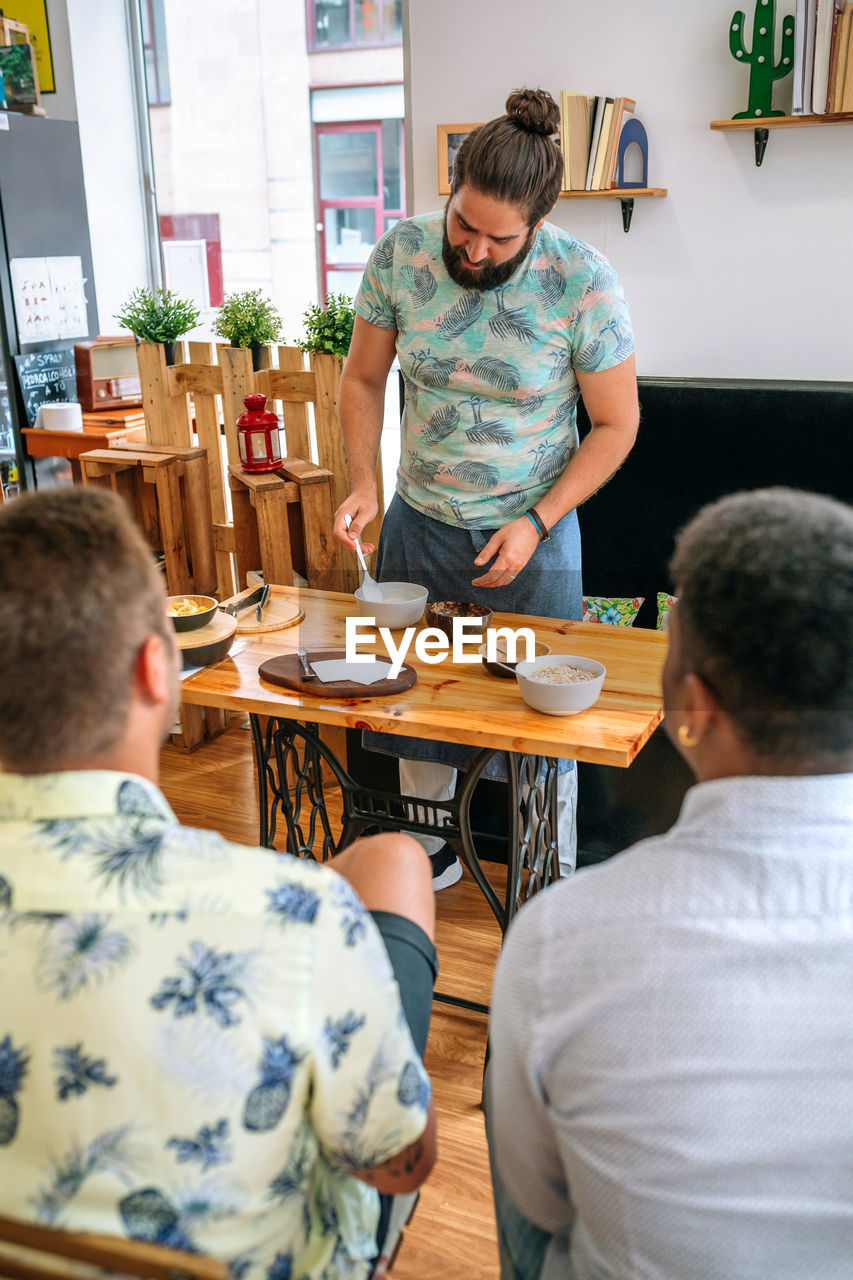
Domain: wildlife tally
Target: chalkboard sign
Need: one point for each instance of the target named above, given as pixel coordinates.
(45, 377)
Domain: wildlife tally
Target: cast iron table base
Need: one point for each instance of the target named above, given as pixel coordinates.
(298, 755)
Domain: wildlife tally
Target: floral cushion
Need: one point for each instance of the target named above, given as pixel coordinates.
(613, 611)
(665, 603)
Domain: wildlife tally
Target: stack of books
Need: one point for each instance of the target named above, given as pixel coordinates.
(590, 137)
(113, 419)
(823, 57)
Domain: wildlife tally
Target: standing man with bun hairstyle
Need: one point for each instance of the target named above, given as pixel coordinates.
(501, 322)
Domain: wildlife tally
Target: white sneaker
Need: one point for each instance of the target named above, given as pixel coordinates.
(446, 868)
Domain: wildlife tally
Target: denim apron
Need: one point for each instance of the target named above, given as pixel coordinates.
(415, 548)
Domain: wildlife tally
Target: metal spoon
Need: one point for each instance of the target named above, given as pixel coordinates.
(369, 589)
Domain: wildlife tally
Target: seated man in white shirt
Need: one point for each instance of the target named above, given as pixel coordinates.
(670, 1089)
(201, 1044)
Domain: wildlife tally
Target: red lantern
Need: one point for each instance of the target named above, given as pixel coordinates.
(257, 436)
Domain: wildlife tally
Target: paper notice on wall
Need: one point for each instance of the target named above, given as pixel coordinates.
(69, 296)
(50, 299)
(34, 312)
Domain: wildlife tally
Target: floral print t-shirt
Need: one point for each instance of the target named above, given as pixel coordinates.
(197, 1039)
(491, 392)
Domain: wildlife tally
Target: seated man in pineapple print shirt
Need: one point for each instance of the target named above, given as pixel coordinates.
(201, 1044)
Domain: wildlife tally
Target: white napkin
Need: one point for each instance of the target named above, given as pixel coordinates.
(358, 672)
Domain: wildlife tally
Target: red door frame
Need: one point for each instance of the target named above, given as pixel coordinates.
(377, 202)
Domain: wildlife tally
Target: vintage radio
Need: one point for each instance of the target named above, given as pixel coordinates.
(107, 373)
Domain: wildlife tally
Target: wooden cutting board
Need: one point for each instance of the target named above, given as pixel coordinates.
(220, 626)
(277, 614)
(286, 671)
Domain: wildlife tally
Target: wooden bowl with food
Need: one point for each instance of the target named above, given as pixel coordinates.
(442, 613)
(504, 666)
(188, 613)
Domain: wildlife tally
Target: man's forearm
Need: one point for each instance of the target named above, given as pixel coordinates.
(600, 455)
(361, 412)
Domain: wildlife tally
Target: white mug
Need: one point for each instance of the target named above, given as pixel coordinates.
(60, 415)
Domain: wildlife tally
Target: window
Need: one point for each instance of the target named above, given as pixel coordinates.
(354, 24)
(156, 58)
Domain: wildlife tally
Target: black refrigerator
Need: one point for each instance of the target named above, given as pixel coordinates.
(42, 217)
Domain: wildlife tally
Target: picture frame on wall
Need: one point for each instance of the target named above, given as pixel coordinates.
(33, 13)
(450, 139)
(20, 78)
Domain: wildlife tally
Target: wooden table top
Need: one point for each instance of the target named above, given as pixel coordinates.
(456, 702)
(46, 442)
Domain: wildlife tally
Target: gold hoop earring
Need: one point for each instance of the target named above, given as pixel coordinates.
(686, 738)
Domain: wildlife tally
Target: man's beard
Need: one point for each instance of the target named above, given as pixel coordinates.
(487, 277)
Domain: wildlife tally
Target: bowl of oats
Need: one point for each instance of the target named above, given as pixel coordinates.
(560, 684)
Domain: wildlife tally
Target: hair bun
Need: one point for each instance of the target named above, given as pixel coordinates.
(534, 110)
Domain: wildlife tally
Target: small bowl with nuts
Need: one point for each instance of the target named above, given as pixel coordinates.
(560, 684)
(443, 614)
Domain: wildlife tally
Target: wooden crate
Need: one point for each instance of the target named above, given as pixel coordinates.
(167, 491)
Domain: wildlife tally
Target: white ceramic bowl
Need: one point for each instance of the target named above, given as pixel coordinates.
(560, 699)
(404, 609)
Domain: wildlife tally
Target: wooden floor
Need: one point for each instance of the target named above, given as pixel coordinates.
(453, 1231)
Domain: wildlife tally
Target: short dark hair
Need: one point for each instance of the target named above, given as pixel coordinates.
(79, 596)
(514, 158)
(764, 581)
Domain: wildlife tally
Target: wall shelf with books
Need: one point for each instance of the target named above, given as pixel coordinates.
(761, 128)
(625, 194)
(596, 133)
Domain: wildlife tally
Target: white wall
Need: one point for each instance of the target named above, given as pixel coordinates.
(741, 272)
(61, 104)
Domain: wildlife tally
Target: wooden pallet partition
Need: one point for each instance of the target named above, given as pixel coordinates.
(168, 408)
(292, 388)
(280, 519)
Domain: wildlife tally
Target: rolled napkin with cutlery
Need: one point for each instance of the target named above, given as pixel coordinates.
(358, 672)
(332, 670)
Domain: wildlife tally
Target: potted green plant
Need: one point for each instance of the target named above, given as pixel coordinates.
(328, 329)
(160, 316)
(248, 319)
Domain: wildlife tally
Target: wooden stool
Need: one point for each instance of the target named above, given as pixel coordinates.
(168, 493)
(282, 522)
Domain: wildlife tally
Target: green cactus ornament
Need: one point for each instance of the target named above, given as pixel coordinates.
(763, 70)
